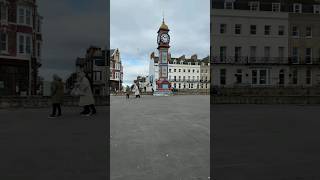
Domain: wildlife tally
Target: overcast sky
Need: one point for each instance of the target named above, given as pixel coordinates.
(69, 28)
(134, 25)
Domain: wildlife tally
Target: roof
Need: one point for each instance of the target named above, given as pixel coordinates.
(184, 60)
(164, 26)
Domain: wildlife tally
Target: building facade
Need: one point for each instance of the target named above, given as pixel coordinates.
(183, 73)
(20, 47)
(116, 70)
(258, 43)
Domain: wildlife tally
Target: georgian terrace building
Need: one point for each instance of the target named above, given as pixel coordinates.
(183, 73)
(265, 42)
(20, 47)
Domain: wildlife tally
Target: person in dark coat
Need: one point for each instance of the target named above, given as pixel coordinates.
(128, 92)
(57, 92)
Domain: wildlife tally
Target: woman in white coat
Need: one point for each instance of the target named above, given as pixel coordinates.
(86, 96)
(136, 91)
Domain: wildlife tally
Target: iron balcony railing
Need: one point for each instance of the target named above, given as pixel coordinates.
(186, 80)
(263, 60)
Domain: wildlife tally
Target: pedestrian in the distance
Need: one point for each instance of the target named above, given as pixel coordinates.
(56, 96)
(86, 96)
(136, 91)
(128, 92)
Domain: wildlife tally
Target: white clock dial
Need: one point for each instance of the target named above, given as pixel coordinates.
(165, 38)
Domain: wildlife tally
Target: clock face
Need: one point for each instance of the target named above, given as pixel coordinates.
(165, 38)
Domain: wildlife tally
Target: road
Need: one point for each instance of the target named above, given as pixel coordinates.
(157, 138)
(34, 147)
(278, 142)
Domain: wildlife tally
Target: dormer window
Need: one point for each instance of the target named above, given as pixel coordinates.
(174, 62)
(276, 7)
(254, 5)
(316, 9)
(228, 5)
(189, 63)
(181, 62)
(196, 63)
(297, 8)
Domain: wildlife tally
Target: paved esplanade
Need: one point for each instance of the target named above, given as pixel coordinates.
(71, 147)
(266, 142)
(160, 138)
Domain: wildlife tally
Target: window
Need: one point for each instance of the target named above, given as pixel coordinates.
(276, 7)
(179, 70)
(28, 44)
(281, 77)
(253, 29)
(25, 16)
(263, 77)
(3, 12)
(174, 78)
(3, 42)
(308, 56)
(228, 5)
(222, 76)
(223, 53)
(38, 49)
(281, 53)
(267, 30)
(239, 76)
(193, 70)
(308, 76)
(179, 86)
(295, 76)
(188, 70)
(174, 70)
(21, 44)
(295, 55)
(297, 8)
(295, 31)
(254, 5)
(21, 15)
(259, 76)
(254, 76)
(184, 70)
(253, 51)
(237, 29)
(169, 78)
(267, 52)
(223, 28)
(170, 70)
(179, 78)
(316, 9)
(28, 16)
(237, 53)
(281, 30)
(308, 31)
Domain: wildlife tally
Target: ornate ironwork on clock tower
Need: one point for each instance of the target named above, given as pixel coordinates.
(163, 85)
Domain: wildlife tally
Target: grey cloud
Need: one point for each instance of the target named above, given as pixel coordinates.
(68, 30)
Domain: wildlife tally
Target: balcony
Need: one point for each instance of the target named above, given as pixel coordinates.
(184, 81)
(245, 60)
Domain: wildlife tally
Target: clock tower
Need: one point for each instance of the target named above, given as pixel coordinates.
(163, 40)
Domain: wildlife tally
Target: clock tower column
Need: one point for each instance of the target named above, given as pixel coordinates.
(163, 40)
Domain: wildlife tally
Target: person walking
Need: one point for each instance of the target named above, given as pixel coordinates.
(86, 96)
(56, 96)
(136, 91)
(128, 92)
